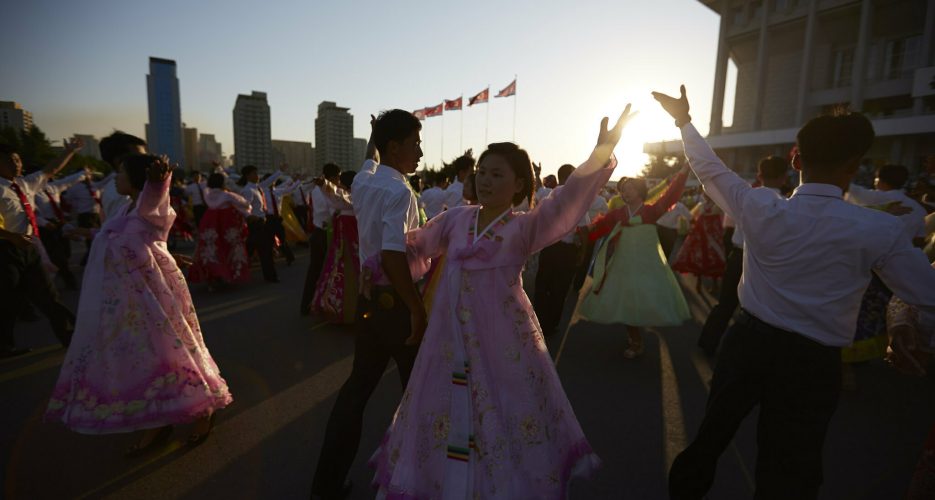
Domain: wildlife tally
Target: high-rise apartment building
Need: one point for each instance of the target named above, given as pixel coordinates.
(334, 136)
(13, 115)
(300, 156)
(209, 151)
(359, 151)
(252, 140)
(164, 130)
(797, 59)
(190, 147)
(91, 147)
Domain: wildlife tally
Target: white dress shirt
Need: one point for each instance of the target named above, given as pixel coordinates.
(45, 212)
(321, 208)
(915, 219)
(14, 215)
(671, 218)
(195, 192)
(81, 196)
(598, 207)
(386, 210)
(112, 201)
(434, 200)
(255, 197)
(275, 194)
(808, 258)
(454, 195)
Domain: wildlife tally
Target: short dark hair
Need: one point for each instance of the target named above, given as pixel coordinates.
(826, 142)
(393, 125)
(216, 181)
(347, 177)
(415, 180)
(773, 167)
(639, 183)
(895, 176)
(519, 162)
(7, 150)
(463, 162)
(119, 144)
(470, 183)
(330, 170)
(244, 172)
(564, 172)
(135, 166)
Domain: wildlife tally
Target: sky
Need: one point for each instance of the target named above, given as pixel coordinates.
(81, 68)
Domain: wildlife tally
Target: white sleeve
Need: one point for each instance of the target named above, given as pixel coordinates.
(722, 184)
(395, 220)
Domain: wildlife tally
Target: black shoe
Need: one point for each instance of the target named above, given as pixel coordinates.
(344, 493)
(14, 351)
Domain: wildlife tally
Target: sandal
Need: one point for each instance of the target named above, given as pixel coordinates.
(195, 439)
(634, 350)
(158, 440)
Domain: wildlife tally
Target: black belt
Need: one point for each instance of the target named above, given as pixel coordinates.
(746, 319)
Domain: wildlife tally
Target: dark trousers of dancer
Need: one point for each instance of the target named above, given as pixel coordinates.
(581, 272)
(317, 250)
(727, 302)
(557, 265)
(22, 276)
(199, 211)
(88, 220)
(275, 228)
(301, 214)
(260, 240)
(382, 328)
(58, 247)
(667, 238)
(796, 382)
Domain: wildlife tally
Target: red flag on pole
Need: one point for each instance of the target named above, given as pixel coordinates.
(419, 113)
(434, 110)
(453, 104)
(480, 98)
(508, 90)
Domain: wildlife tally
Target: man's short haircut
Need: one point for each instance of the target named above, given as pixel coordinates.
(463, 163)
(216, 181)
(564, 172)
(331, 170)
(826, 142)
(119, 144)
(895, 176)
(773, 167)
(347, 177)
(393, 125)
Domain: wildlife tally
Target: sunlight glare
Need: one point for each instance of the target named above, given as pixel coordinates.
(651, 125)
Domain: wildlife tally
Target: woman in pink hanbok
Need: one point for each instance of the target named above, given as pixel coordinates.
(484, 414)
(137, 360)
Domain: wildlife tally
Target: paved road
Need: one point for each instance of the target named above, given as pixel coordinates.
(284, 372)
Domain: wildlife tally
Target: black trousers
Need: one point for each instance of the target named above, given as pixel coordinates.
(260, 240)
(301, 213)
(22, 276)
(382, 327)
(557, 264)
(317, 250)
(199, 211)
(275, 227)
(581, 272)
(796, 383)
(720, 315)
(58, 247)
(88, 220)
(667, 239)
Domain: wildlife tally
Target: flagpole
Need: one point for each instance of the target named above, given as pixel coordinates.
(487, 119)
(461, 138)
(443, 132)
(514, 108)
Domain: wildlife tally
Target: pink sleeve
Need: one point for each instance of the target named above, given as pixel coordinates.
(428, 242)
(153, 205)
(559, 213)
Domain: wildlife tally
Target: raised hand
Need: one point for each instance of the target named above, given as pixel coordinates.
(73, 145)
(677, 108)
(610, 137)
(159, 170)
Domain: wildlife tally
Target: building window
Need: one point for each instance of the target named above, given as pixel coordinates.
(901, 57)
(842, 67)
(781, 6)
(736, 16)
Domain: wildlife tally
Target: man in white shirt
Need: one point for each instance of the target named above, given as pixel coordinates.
(22, 276)
(392, 320)
(322, 213)
(807, 261)
(52, 220)
(274, 194)
(300, 194)
(557, 264)
(434, 196)
(259, 238)
(598, 207)
(454, 194)
(888, 188)
(772, 173)
(195, 190)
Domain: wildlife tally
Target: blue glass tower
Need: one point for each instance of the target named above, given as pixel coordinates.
(164, 130)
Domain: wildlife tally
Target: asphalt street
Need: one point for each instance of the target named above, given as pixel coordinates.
(285, 370)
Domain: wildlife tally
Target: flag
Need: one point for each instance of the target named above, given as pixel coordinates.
(480, 98)
(433, 110)
(419, 113)
(508, 90)
(453, 105)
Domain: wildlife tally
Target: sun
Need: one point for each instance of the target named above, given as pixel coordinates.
(651, 124)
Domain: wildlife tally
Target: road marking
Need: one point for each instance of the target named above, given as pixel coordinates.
(31, 354)
(231, 439)
(39, 366)
(319, 325)
(575, 317)
(238, 308)
(225, 304)
(673, 418)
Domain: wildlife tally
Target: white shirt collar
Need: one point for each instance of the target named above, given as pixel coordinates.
(818, 189)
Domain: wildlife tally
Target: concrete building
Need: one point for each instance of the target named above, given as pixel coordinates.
(797, 59)
(209, 151)
(300, 156)
(360, 151)
(334, 136)
(91, 148)
(190, 147)
(252, 140)
(164, 130)
(13, 115)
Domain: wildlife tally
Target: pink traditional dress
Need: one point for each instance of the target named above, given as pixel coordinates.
(336, 292)
(221, 254)
(484, 414)
(137, 359)
(702, 253)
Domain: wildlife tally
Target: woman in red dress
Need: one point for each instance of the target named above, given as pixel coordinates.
(702, 254)
(221, 255)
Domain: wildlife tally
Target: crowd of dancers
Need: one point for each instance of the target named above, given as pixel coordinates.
(430, 270)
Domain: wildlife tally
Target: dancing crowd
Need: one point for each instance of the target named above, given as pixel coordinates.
(811, 270)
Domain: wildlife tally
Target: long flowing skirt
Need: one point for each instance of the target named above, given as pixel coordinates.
(870, 340)
(221, 254)
(632, 282)
(295, 233)
(137, 359)
(336, 291)
(702, 253)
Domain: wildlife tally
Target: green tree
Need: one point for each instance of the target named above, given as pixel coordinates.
(662, 166)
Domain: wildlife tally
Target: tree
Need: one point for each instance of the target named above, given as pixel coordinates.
(662, 166)
(35, 149)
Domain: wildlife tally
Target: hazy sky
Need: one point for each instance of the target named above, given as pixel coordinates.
(81, 68)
